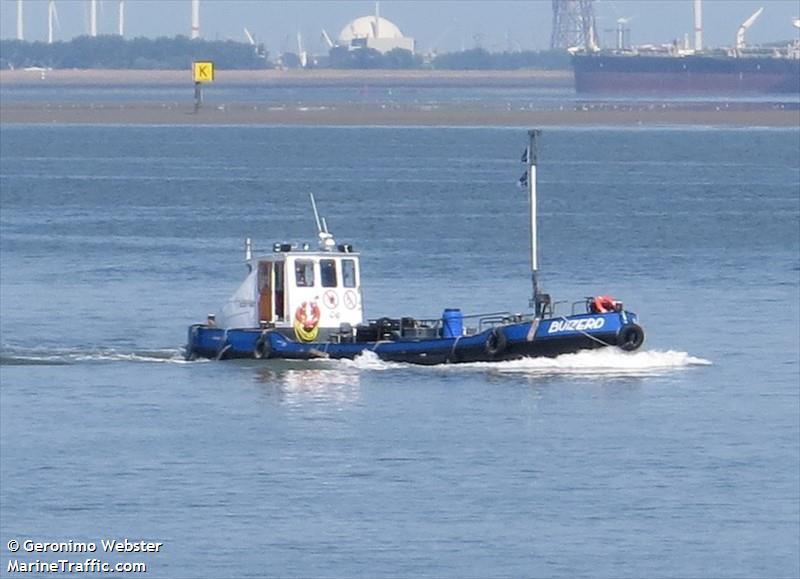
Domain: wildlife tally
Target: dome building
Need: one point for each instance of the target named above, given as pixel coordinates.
(374, 32)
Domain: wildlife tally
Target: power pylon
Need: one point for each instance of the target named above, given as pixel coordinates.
(573, 25)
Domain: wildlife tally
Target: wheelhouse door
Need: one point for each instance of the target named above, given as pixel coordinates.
(265, 292)
(280, 293)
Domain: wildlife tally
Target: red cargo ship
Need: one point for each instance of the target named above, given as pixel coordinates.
(661, 72)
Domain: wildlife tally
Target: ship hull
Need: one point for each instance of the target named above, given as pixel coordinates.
(545, 338)
(627, 74)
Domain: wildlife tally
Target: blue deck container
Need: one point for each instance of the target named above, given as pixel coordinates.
(452, 323)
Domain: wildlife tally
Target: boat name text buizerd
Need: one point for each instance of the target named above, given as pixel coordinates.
(576, 325)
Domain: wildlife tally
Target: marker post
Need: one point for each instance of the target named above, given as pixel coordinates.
(202, 72)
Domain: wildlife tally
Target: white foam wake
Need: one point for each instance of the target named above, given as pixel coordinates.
(608, 361)
(368, 360)
(172, 356)
(66, 356)
(605, 362)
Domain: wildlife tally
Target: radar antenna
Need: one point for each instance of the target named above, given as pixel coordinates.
(326, 241)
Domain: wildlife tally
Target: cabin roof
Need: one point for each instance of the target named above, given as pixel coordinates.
(283, 250)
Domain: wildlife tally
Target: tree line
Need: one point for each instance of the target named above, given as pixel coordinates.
(115, 52)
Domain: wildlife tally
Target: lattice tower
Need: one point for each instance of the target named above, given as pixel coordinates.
(573, 25)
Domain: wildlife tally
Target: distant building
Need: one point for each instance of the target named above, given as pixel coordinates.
(373, 32)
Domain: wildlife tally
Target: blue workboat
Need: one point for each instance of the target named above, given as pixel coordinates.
(299, 302)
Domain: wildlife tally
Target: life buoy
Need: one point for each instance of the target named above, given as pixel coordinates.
(306, 321)
(263, 348)
(496, 343)
(307, 315)
(630, 337)
(304, 335)
(603, 304)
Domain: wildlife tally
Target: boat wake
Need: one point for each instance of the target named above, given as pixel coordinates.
(70, 356)
(605, 362)
(609, 361)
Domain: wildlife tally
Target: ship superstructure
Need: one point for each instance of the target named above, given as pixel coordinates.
(681, 68)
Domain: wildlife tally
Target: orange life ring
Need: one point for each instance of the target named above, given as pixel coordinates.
(604, 304)
(307, 315)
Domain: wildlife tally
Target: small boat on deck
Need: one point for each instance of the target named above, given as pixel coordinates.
(302, 303)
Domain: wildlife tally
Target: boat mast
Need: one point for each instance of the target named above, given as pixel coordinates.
(326, 242)
(540, 301)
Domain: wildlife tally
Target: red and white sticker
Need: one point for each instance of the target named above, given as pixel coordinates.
(330, 299)
(350, 299)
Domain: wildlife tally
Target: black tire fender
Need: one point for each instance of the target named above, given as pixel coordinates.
(189, 354)
(222, 353)
(263, 348)
(630, 337)
(496, 343)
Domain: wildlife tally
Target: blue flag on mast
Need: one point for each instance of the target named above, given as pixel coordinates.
(523, 181)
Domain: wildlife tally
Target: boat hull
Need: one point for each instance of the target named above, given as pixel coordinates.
(685, 74)
(537, 338)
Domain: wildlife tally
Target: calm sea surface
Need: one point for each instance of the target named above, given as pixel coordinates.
(492, 97)
(681, 460)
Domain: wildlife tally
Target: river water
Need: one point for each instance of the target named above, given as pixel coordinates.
(680, 460)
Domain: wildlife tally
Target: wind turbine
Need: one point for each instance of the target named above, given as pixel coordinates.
(20, 24)
(52, 21)
(92, 18)
(301, 54)
(698, 25)
(439, 39)
(327, 39)
(195, 19)
(121, 18)
(376, 26)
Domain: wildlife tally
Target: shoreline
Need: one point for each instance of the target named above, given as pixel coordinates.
(292, 78)
(390, 115)
(589, 111)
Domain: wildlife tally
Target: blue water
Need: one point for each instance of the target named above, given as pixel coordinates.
(38, 90)
(414, 98)
(681, 460)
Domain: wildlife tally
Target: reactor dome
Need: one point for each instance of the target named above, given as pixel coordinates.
(368, 27)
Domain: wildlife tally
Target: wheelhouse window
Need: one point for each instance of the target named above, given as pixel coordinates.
(279, 290)
(304, 273)
(349, 273)
(327, 272)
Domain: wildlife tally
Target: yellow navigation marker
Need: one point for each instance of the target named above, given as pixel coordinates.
(203, 71)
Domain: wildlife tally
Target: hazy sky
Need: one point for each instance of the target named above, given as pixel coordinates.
(435, 24)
